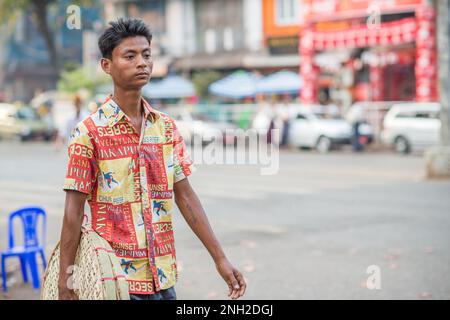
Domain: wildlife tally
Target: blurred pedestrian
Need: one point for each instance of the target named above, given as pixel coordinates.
(80, 113)
(284, 115)
(274, 119)
(260, 120)
(355, 117)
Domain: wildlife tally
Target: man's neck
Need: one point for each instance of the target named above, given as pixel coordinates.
(128, 101)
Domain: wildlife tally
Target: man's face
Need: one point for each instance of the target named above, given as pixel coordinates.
(131, 64)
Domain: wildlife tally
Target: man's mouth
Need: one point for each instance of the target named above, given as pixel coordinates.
(142, 74)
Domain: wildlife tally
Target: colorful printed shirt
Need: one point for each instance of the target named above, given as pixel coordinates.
(129, 180)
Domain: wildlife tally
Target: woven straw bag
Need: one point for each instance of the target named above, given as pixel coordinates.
(97, 275)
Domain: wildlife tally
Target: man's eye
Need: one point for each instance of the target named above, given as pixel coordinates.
(147, 56)
(129, 57)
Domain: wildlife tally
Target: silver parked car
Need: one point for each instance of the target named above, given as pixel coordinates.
(315, 130)
(412, 126)
(23, 123)
(312, 128)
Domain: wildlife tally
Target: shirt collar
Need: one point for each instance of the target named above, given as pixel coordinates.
(114, 114)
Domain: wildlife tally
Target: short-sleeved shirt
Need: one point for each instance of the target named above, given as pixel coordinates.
(129, 179)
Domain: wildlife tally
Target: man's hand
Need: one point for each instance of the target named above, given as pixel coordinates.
(70, 238)
(65, 293)
(233, 278)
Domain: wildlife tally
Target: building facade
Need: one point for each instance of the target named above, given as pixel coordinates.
(387, 49)
(195, 35)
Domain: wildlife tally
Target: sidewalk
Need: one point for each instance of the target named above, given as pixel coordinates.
(18, 290)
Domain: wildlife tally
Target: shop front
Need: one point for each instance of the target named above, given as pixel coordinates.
(390, 46)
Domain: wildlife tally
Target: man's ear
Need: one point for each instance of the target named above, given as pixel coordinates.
(106, 65)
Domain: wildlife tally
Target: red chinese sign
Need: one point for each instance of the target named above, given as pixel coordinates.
(389, 33)
(419, 30)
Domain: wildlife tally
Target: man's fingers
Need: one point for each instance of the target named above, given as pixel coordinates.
(234, 295)
(235, 286)
(230, 289)
(242, 283)
(242, 290)
(234, 279)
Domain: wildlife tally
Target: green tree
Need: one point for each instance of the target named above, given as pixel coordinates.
(74, 79)
(39, 8)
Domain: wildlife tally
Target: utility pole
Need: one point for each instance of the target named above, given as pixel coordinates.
(443, 39)
(438, 158)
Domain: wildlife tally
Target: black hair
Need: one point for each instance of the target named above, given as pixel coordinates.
(119, 30)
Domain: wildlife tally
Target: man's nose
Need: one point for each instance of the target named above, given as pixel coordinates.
(141, 62)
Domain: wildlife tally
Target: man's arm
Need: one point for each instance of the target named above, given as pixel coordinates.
(70, 238)
(194, 214)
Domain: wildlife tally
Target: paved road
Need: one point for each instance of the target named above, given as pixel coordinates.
(308, 232)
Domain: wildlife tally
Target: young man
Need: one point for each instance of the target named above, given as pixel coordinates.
(129, 161)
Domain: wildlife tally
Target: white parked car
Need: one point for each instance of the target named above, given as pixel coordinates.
(23, 123)
(315, 130)
(412, 126)
(313, 127)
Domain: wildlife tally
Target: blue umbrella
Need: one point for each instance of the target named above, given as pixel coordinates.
(239, 84)
(170, 87)
(280, 82)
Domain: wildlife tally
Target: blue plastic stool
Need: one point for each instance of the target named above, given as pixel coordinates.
(26, 253)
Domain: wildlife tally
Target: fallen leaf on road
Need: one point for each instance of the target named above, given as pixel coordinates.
(429, 250)
(393, 266)
(394, 253)
(250, 267)
(425, 295)
(212, 295)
